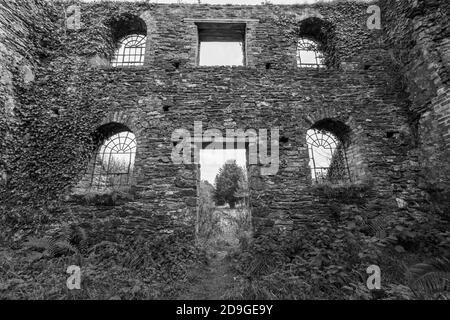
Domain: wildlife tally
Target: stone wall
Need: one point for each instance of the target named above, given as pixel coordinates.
(21, 23)
(76, 91)
(418, 36)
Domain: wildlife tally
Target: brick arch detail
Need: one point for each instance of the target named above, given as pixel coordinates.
(122, 118)
(326, 113)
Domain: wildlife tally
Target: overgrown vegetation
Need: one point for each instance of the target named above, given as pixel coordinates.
(328, 260)
(140, 268)
(208, 218)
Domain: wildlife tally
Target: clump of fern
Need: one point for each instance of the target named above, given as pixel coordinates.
(430, 277)
(68, 240)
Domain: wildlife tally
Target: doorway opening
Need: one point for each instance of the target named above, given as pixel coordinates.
(223, 217)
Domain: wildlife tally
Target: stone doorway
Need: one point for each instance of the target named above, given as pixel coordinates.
(223, 216)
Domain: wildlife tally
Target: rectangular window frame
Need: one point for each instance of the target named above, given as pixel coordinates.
(198, 22)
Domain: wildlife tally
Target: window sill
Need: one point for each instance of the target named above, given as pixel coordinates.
(346, 192)
(222, 67)
(102, 197)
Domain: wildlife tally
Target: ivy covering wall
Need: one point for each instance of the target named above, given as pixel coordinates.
(49, 137)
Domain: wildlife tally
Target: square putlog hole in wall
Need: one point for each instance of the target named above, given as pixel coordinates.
(221, 44)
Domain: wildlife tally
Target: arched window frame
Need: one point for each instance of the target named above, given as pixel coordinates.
(336, 169)
(307, 44)
(130, 51)
(103, 176)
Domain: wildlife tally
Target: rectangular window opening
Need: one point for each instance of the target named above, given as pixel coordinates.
(221, 44)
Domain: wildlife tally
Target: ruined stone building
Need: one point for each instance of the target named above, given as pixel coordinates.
(81, 83)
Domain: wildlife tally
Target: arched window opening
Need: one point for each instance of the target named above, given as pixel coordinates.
(308, 54)
(114, 162)
(131, 51)
(327, 156)
(315, 44)
(129, 34)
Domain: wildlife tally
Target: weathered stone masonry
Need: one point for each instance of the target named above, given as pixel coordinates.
(418, 36)
(63, 97)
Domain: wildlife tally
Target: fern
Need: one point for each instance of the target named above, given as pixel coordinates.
(261, 265)
(38, 244)
(431, 277)
(60, 247)
(378, 227)
(68, 240)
